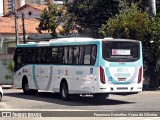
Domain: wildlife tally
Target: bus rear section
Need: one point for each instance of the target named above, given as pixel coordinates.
(121, 67)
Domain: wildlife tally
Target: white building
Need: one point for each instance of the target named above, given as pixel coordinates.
(29, 11)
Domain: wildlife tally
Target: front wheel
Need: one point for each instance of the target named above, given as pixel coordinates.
(64, 91)
(25, 87)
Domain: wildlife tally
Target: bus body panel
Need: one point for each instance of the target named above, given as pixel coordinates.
(121, 76)
(83, 79)
(46, 77)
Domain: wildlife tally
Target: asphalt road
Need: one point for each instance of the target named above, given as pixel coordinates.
(14, 99)
(144, 101)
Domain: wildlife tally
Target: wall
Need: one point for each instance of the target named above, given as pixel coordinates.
(35, 13)
(4, 59)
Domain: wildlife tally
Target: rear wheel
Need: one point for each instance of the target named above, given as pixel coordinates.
(64, 91)
(0, 96)
(25, 87)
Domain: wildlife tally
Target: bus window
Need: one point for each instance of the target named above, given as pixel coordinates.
(48, 55)
(44, 55)
(29, 59)
(75, 55)
(81, 55)
(87, 55)
(54, 54)
(121, 51)
(18, 58)
(66, 55)
(24, 56)
(39, 55)
(70, 55)
(60, 55)
(34, 55)
(93, 55)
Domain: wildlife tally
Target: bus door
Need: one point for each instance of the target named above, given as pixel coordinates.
(43, 76)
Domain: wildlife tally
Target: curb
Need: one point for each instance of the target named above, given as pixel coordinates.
(7, 86)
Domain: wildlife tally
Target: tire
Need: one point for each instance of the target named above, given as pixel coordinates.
(64, 91)
(25, 87)
(0, 97)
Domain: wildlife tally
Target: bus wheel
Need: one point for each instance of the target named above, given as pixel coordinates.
(64, 91)
(0, 96)
(25, 87)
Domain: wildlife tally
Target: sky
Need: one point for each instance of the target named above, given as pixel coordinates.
(1, 7)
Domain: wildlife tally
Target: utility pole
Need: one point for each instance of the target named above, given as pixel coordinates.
(16, 25)
(152, 8)
(152, 12)
(24, 33)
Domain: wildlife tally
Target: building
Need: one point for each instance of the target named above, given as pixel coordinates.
(8, 5)
(7, 33)
(7, 40)
(29, 11)
(38, 1)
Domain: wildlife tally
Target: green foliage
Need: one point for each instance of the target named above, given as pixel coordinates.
(132, 23)
(86, 16)
(90, 14)
(51, 18)
(10, 68)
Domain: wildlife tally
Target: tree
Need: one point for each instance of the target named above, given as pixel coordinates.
(132, 23)
(10, 68)
(152, 51)
(51, 18)
(85, 16)
(90, 14)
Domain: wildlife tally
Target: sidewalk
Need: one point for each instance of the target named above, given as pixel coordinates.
(7, 86)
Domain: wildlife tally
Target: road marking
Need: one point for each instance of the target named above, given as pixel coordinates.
(14, 109)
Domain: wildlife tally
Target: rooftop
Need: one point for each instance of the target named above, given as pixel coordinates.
(36, 6)
(7, 25)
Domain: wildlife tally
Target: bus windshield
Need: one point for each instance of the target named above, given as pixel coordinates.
(121, 51)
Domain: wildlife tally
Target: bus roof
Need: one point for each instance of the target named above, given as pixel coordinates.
(70, 40)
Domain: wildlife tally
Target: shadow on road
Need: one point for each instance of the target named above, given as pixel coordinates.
(74, 101)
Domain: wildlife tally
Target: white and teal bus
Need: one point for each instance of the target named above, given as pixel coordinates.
(68, 66)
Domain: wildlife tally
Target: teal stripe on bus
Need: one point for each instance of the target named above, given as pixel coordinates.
(28, 45)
